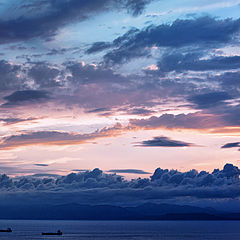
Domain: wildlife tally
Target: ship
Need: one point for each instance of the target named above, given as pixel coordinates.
(51, 233)
(6, 230)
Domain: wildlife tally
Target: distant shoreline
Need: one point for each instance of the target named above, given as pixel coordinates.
(144, 212)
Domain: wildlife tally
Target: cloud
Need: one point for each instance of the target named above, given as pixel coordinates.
(79, 170)
(25, 97)
(140, 111)
(228, 81)
(43, 175)
(192, 61)
(56, 138)
(10, 79)
(41, 165)
(17, 168)
(210, 99)
(98, 110)
(98, 46)
(10, 121)
(163, 142)
(45, 19)
(133, 171)
(231, 145)
(196, 120)
(82, 73)
(97, 187)
(227, 114)
(18, 77)
(87, 85)
(200, 31)
(44, 76)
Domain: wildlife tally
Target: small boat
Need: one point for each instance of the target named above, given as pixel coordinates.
(6, 230)
(50, 233)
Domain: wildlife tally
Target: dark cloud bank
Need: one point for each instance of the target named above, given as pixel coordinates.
(26, 96)
(44, 20)
(163, 142)
(232, 145)
(97, 188)
(205, 32)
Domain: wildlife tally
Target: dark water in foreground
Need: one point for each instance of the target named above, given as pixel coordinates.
(119, 230)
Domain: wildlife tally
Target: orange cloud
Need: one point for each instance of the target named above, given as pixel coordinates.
(57, 137)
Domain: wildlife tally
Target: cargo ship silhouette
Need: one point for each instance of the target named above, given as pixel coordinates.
(6, 230)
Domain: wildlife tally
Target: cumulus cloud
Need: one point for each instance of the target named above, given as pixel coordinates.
(95, 187)
(44, 20)
(163, 142)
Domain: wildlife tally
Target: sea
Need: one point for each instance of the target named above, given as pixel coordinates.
(122, 230)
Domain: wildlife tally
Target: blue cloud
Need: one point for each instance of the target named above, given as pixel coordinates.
(133, 171)
(97, 187)
(204, 31)
(163, 142)
(25, 97)
(44, 19)
(210, 99)
(231, 145)
(41, 165)
(192, 61)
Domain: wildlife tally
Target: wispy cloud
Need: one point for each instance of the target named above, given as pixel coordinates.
(232, 145)
(163, 142)
(131, 171)
(56, 138)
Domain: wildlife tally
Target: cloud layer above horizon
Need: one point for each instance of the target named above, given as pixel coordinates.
(97, 187)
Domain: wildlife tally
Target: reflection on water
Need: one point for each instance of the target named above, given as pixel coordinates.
(127, 230)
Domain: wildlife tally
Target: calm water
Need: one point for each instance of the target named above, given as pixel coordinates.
(119, 230)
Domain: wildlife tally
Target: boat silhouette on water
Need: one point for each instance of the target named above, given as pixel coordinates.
(51, 233)
(6, 230)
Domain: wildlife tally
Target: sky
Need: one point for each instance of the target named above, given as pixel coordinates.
(124, 86)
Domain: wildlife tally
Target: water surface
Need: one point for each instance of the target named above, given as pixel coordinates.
(122, 230)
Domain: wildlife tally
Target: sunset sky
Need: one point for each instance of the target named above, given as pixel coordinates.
(125, 86)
